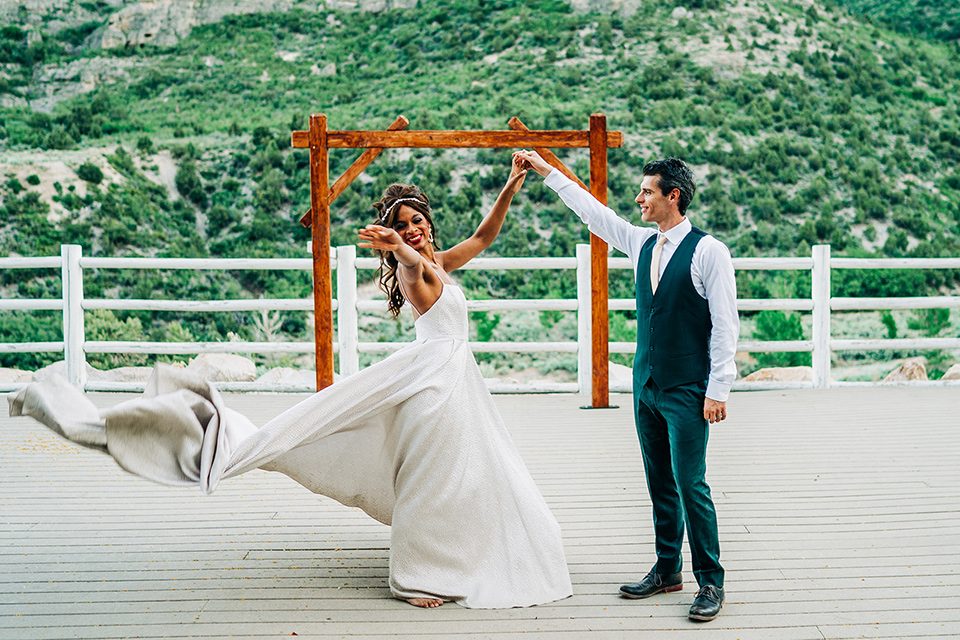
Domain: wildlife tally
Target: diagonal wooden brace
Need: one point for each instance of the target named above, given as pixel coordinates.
(356, 169)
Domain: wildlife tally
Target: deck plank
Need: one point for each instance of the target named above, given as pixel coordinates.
(837, 509)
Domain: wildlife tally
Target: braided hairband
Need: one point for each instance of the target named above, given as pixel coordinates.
(386, 214)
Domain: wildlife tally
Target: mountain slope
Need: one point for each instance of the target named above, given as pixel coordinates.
(931, 18)
(804, 126)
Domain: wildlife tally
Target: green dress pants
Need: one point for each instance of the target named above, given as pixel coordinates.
(673, 441)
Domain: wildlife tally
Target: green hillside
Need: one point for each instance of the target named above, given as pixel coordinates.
(804, 126)
(931, 18)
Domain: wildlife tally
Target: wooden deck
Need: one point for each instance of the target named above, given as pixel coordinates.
(839, 518)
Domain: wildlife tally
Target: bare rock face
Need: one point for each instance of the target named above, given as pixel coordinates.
(626, 7)
(781, 374)
(370, 5)
(61, 82)
(912, 369)
(953, 373)
(162, 22)
(53, 15)
(166, 22)
(223, 367)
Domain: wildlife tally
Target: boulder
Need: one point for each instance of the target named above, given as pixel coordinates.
(912, 369)
(953, 373)
(60, 368)
(623, 7)
(289, 376)
(329, 69)
(223, 367)
(120, 374)
(621, 375)
(14, 375)
(125, 374)
(781, 374)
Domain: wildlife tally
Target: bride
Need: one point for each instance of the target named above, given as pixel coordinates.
(414, 440)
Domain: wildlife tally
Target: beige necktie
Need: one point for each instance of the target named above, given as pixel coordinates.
(655, 262)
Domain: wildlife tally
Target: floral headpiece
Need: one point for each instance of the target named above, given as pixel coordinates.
(386, 214)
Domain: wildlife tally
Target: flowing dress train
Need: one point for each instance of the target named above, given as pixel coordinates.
(414, 440)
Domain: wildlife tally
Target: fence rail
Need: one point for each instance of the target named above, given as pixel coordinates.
(348, 346)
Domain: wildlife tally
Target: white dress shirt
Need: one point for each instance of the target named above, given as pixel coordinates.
(711, 271)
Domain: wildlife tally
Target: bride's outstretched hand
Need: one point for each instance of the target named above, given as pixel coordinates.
(375, 236)
(517, 174)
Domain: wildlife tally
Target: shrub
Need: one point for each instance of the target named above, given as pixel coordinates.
(930, 321)
(221, 217)
(58, 139)
(103, 325)
(777, 325)
(189, 184)
(89, 172)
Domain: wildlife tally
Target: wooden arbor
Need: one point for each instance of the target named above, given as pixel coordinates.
(320, 140)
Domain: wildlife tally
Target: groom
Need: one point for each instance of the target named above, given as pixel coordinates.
(687, 327)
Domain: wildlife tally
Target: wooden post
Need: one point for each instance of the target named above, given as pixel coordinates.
(821, 316)
(320, 234)
(73, 338)
(600, 316)
(348, 334)
(584, 309)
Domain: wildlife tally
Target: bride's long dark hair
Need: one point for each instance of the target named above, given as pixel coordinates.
(387, 210)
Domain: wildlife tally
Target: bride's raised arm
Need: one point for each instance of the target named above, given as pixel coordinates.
(459, 255)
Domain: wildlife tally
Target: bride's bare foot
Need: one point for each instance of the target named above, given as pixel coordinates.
(426, 603)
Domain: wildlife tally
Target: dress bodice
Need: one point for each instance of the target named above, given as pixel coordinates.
(447, 318)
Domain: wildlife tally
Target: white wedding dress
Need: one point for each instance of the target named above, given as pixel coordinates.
(414, 440)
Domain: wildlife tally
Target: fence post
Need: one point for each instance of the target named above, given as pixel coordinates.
(348, 335)
(72, 285)
(821, 316)
(584, 334)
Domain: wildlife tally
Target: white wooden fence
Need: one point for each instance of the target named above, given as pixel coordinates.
(344, 260)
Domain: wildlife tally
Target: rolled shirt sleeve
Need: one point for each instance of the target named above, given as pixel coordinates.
(714, 279)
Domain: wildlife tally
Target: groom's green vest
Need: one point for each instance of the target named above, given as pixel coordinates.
(673, 325)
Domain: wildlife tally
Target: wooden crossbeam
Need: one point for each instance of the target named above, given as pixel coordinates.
(355, 169)
(457, 139)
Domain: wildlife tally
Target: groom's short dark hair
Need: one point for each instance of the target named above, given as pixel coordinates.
(674, 174)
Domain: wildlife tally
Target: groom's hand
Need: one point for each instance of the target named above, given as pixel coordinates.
(714, 411)
(532, 160)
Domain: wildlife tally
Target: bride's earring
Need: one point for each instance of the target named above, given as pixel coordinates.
(430, 237)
